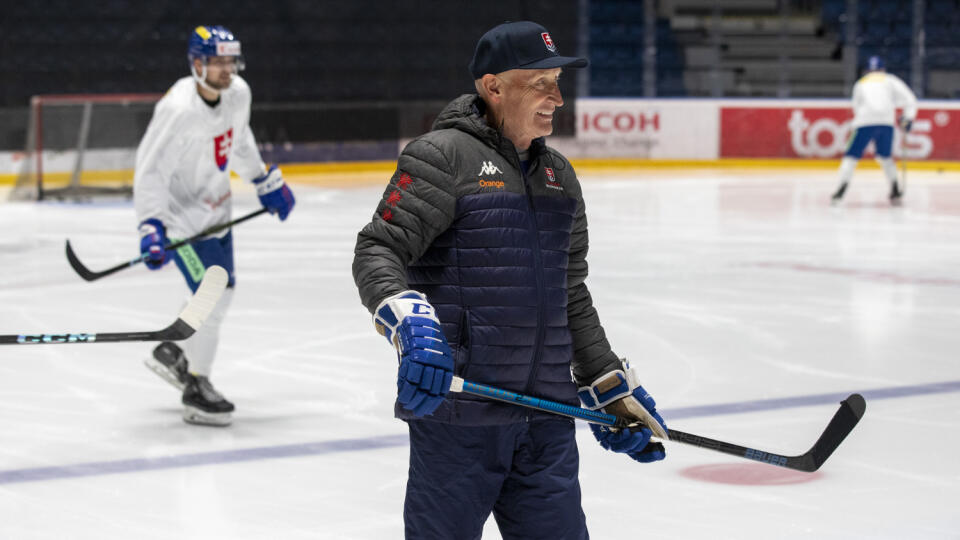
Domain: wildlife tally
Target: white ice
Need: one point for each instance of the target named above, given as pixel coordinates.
(723, 287)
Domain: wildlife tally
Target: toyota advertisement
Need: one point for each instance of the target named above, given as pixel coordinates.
(711, 129)
(818, 131)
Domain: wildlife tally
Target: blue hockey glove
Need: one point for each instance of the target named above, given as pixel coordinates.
(410, 324)
(153, 238)
(906, 124)
(618, 393)
(274, 193)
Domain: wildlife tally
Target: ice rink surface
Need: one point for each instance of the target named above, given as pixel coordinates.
(751, 306)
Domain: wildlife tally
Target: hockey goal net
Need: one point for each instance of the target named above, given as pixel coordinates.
(81, 146)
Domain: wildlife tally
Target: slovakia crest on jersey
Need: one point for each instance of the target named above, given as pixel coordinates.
(221, 148)
(548, 41)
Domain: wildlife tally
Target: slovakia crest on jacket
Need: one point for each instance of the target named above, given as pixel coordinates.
(221, 148)
(551, 179)
(548, 41)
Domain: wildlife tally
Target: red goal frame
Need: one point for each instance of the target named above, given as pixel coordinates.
(37, 104)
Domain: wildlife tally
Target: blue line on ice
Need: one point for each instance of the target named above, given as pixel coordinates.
(99, 468)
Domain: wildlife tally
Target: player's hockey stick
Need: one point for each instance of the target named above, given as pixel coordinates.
(903, 172)
(190, 319)
(843, 422)
(903, 160)
(90, 275)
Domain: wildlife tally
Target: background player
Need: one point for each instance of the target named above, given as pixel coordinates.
(876, 97)
(199, 133)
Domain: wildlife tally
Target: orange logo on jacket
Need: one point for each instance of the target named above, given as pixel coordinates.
(491, 183)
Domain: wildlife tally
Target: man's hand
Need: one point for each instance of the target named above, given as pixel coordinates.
(153, 238)
(618, 393)
(274, 193)
(410, 324)
(906, 124)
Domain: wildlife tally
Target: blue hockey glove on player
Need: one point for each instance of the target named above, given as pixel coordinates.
(906, 124)
(274, 193)
(410, 324)
(153, 238)
(618, 393)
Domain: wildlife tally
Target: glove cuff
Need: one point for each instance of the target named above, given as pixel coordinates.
(609, 387)
(393, 309)
(152, 226)
(272, 180)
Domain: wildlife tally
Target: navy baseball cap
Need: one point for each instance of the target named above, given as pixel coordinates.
(518, 45)
(875, 63)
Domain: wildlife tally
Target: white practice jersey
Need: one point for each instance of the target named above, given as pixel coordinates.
(876, 97)
(183, 166)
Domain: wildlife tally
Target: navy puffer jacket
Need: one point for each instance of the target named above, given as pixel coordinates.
(500, 254)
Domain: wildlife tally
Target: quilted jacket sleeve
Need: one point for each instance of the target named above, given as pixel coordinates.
(418, 204)
(592, 355)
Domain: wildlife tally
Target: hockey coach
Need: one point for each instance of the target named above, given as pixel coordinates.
(474, 264)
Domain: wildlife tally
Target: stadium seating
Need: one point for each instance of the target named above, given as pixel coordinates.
(617, 35)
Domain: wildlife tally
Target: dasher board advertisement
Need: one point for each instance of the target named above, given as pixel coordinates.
(820, 129)
(647, 128)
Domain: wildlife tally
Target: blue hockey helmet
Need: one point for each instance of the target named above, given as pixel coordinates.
(208, 41)
(875, 63)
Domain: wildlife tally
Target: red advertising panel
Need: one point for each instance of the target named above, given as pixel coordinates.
(822, 133)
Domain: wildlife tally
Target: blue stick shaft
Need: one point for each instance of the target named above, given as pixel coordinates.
(851, 410)
(597, 417)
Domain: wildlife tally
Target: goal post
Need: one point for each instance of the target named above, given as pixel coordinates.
(81, 146)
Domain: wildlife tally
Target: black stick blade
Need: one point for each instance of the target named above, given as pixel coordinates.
(850, 412)
(90, 275)
(191, 318)
(78, 266)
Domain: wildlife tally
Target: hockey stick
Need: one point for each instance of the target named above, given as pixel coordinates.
(90, 275)
(188, 321)
(843, 422)
(903, 158)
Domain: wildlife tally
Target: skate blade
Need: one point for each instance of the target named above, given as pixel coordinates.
(193, 415)
(164, 373)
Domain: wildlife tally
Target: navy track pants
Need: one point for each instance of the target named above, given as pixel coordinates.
(525, 473)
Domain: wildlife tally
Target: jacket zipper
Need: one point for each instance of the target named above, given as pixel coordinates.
(538, 267)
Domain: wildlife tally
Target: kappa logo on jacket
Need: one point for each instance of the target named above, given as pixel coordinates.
(489, 168)
(552, 179)
(221, 148)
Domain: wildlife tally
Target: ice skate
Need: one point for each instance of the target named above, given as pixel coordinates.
(838, 195)
(895, 195)
(169, 362)
(203, 405)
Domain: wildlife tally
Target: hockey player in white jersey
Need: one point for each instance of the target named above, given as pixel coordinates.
(876, 97)
(199, 133)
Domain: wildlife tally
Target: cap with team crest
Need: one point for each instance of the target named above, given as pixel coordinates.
(518, 45)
